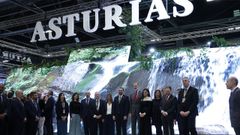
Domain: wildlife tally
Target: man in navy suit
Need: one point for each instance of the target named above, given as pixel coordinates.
(17, 115)
(234, 102)
(121, 106)
(32, 114)
(3, 111)
(99, 114)
(168, 110)
(187, 108)
(88, 108)
(49, 113)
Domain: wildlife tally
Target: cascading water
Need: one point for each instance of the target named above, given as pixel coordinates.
(152, 85)
(209, 74)
(108, 70)
(73, 73)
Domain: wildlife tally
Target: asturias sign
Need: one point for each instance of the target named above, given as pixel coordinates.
(112, 14)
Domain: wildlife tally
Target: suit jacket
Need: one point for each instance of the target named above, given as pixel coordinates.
(41, 104)
(191, 101)
(121, 108)
(88, 109)
(17, 111)
(31, 111)
(3, 104)
(61, 111)
(49, 108)
(170, 106)
(135, 103)
(101, 110)
(234, 102)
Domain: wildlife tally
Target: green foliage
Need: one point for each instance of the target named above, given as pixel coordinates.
(95, 54)
(28, 79)
(167, 54)
(134, 36)
(146, 62)
(220, 41)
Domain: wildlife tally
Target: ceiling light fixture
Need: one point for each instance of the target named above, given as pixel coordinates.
(152, 50)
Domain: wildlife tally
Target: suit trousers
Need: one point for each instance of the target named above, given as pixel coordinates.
(109, 127)
(187, 124)
(135, 122)
(41, 126)
(121, 125)
(88, 125)
(3, 126)
(31, 127)
(49, 127)
(237, 130)
(167, 126)
(61, 127)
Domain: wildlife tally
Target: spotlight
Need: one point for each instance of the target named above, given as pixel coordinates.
(151, 50)
(209, 43)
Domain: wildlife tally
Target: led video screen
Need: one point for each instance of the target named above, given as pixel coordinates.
(105, 69)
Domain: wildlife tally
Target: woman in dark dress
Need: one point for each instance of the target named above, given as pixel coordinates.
(108, 117)
(62, 114)
(75, 121)
(145, 113)
(156, 111)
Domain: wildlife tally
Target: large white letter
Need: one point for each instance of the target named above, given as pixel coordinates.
(186, 4)
(69, 19)
(135, 12)
(159, 8)
(38, 30)
(86, 20)
(57, 30)
(109, 17)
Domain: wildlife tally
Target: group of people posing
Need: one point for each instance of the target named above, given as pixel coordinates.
(34, 115)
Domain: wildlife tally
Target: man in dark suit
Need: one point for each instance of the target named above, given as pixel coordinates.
(17, 115)
(49, 113)
(32, 114)
(187, 108)
(120, 111)
(135, 99)
(99, 113)
(169, 109)
(3, 111)
(88, 108)
(234, 102)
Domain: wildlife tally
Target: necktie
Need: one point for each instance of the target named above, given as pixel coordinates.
(87, 101)
(136, 96)
(167, 97)
(97, 104)
(119, 99)
(35, 104)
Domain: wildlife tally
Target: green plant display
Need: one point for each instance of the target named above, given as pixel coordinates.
(134, 36)
(167, 54)
(146, 62)
(220, 41)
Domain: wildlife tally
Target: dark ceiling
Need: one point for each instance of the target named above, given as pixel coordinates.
(18, 19)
